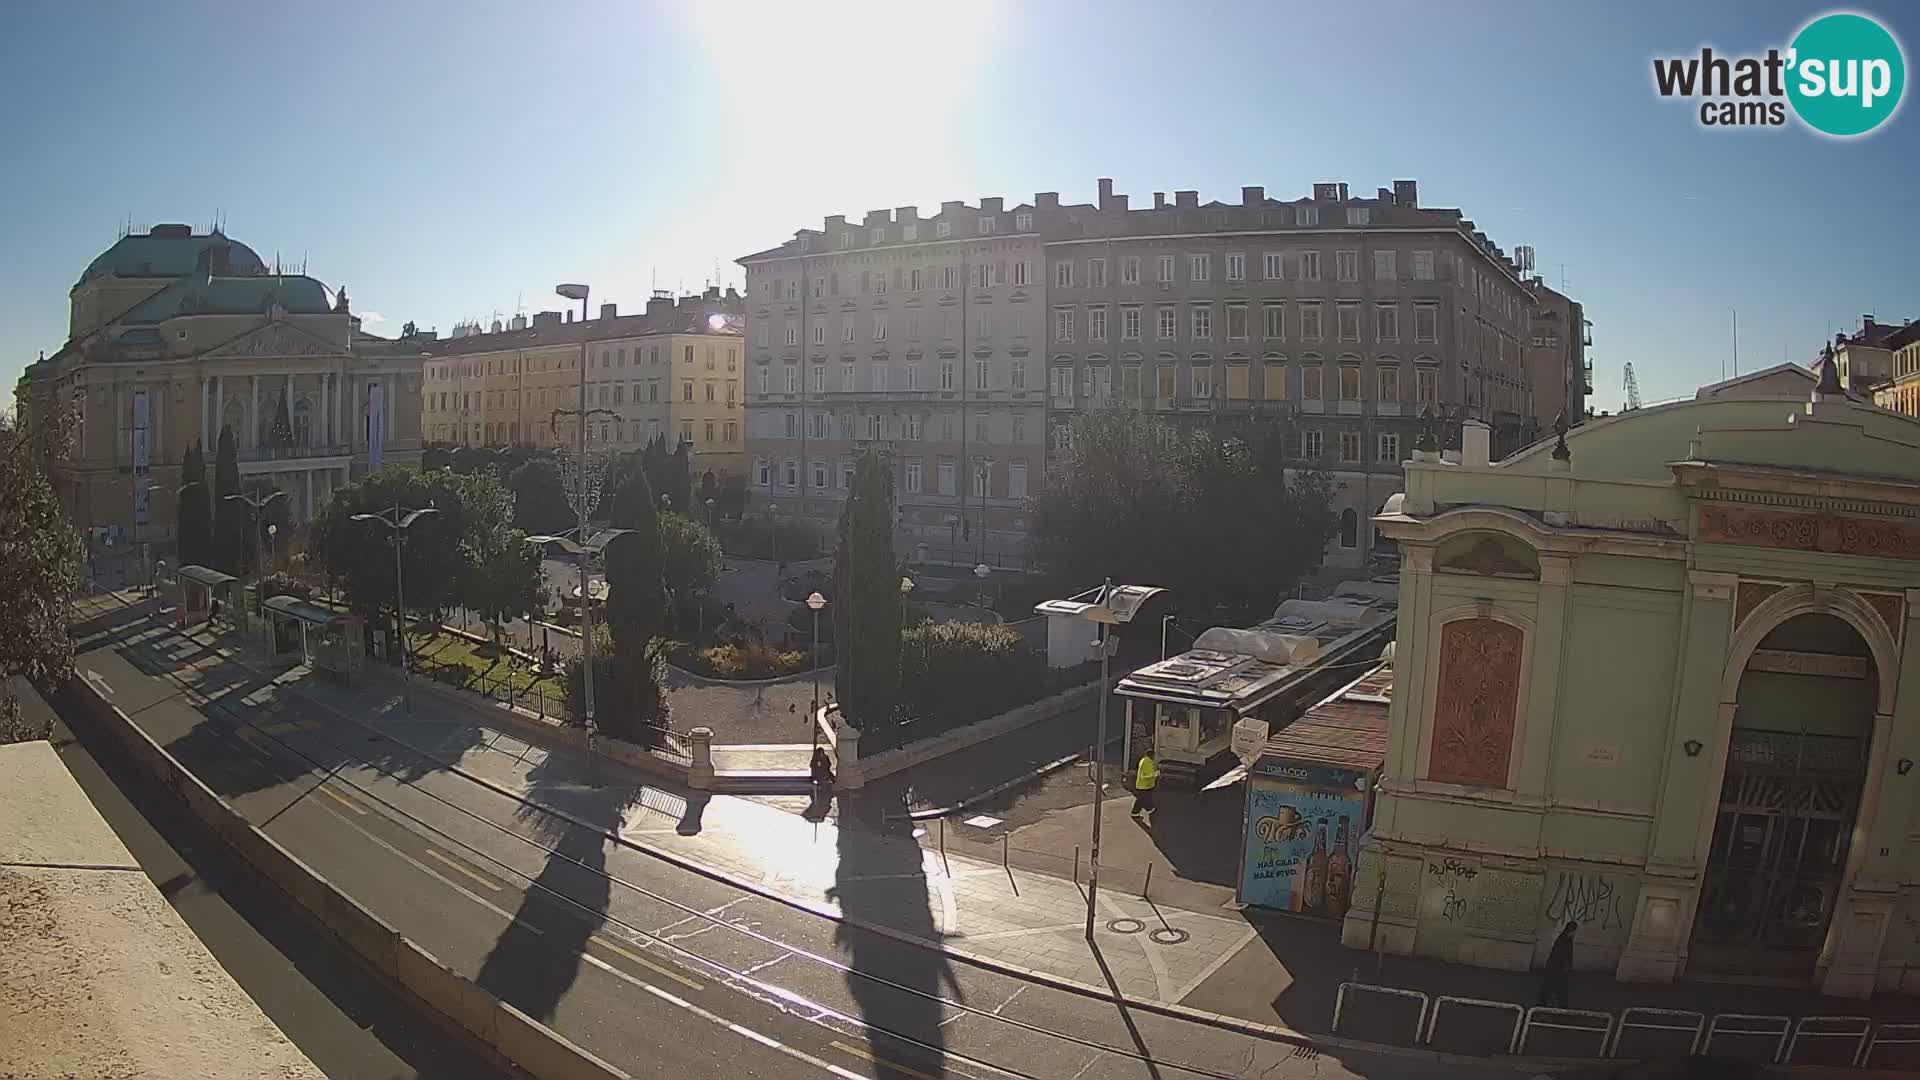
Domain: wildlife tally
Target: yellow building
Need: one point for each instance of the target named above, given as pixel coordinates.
(674, 371)
(1902, 393)
(175, 336)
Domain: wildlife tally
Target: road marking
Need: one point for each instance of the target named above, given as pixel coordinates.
(343, 801)
(455, 864)
(745, 1032)
(890, 1066)
(657, 969)
(434, 874)
(99, 682)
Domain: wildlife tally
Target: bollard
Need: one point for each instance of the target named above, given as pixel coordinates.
(1076, 864)
(1148, 886)
(943, 848)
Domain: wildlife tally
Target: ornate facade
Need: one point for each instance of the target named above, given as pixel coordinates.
(175, 336)
(1659, 679)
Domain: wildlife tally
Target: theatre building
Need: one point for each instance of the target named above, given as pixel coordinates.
(1658, 677)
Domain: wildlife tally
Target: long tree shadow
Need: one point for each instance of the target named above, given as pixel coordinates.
(881, 879)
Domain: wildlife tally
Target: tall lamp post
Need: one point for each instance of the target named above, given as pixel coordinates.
(982, 571)
(397, 527)
(773, 531)
(595, 546)
(814, 603)
(254, 502)
(906, 587)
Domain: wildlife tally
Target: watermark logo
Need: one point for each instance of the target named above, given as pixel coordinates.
(1842, 75)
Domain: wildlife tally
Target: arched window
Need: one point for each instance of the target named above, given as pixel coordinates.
(302, 423)
(1349, 528)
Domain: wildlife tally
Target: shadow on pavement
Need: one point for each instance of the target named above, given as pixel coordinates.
(881, 879)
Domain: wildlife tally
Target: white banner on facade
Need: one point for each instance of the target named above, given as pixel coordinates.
(376, 424)
(142, 457)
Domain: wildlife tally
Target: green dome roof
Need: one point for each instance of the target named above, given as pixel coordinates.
(173, 251)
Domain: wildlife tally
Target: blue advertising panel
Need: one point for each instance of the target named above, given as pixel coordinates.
(1303, 829)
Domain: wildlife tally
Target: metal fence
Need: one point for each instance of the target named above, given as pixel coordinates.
(1491, 1028)
(547, 704)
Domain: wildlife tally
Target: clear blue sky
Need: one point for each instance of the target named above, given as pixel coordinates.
(449, 160)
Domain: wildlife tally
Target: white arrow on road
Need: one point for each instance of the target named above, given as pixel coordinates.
(98, 682)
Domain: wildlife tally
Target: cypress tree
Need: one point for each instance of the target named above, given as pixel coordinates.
(229, 517)
(866, 599)
(196, 528)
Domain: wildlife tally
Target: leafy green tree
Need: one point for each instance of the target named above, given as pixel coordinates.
(196, 510)
(503, 582)
(955, 673)
(40, 555)
(731, 502)
(540, 504)
(1113, 508)
(229, 517)
(636, 610)
(438, 550)
(690, 559)
(866, 599)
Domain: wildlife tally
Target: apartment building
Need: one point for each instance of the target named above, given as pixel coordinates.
(1901, 391)
(1335, 318)
(674, 371)
(1556, 354)
(922, 336)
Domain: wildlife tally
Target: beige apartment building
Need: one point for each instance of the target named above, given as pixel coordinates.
(922, 336)
(1901, 392)
(674, 371)
(1556, 354)
(1333, 318)
(175, 336)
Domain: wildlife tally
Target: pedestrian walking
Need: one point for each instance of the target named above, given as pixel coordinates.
(821, 768)
(1553, 977)
(1144, 778)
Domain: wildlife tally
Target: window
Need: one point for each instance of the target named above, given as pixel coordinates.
(819, 470)
(1129, 324)
(880, 283)
(1389, 385)
(1349, 382)
(879, 326)
(1236, 322)
(1426, 322)
(1063, 274)
(762, 472)
(847, 376)
(819, 333)
(913, 376)
(912, 478)
(942, 229)
(1383, 269)
(1023, 222)
(1063, 324)
(1130, 270)
(1346, 265)
(1423, 266)
(1097, 324)
(1017, 480)
(1309, 322)
(1019, 434)
(1347, 321)
(988, 224)
(1310, 445)
(686, 390)
(1201, 378)
(1020, 271)
(1359, 215)
(846, 330)
(910, 427)
(1309, 266)
(1349, 450)
(1307, 215)
(946, 374)
(880, 378)
(846, 238)
(1236, 266)
(793, 333)
(982, 477)
(1271, 266)
(1275, 378)
(1199, 267)
(981, 429)
(1202, 322)
(982, 374)
(1166, 269)
(793, 425)
(709, 431)
(652, 388)
(819, 378)
(1311, 374)
(732, 431)
(1426, 385)
(1168, 326)
(816, 425)
(793, 378)
(1386, 322)
(1096, 273)
(1018, 373)
(947, 478)
(1163, 382)
(1276, 319)
(1389, 448)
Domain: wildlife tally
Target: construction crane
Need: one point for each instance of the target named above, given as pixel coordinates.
(1632, 388)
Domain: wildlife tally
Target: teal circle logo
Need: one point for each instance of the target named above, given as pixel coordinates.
(1845, 75)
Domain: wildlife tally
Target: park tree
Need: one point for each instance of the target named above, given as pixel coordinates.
(40, 555)
(636, 611)
(229, 517)
(866, 599)
(1113, 507)
(196, 510)
(690, 563)
(540, 504)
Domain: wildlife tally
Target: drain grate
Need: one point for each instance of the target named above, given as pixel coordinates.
(1126, 926)
(1170, 935)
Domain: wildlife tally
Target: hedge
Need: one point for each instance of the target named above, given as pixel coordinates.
(955, 673)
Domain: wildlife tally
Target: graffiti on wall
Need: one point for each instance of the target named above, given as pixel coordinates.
(1454, 877)
(1590, 899)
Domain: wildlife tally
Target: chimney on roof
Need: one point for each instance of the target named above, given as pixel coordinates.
(496, 327)
(519, 322)
(1106, 192)
(991, 205)
(1251, 195)
(712, 293)
(545, 318)
(569, 315)
(1046, 200)
(1406, 193)
(1383, 195)
(1159, 200)
(660, 303)
(733, 293)
(837, 221)
(878, 217)
(951, 206)
(1186, 200)
(608, 311)
(905, 214)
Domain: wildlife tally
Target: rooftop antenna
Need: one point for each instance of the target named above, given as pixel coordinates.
(1736, 343)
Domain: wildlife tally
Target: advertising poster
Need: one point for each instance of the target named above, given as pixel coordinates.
(376, 425)
(1303, 833)
(142, 456)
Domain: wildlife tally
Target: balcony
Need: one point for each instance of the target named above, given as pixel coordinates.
(296, 453)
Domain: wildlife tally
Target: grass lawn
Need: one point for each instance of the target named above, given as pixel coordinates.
(481, 658)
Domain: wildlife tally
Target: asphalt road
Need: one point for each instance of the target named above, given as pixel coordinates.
(658, 969)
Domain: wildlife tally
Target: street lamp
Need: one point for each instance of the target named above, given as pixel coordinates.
(773, 531)
(397, 526)
(815, 602)
(981, 571)
(254, 502)
(710, 505)
(906, 586)
(596, 545)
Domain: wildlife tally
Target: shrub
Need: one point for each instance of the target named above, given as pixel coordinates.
(954, 673)
(629, 695)
(752, 660)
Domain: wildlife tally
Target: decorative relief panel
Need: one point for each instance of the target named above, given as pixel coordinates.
(1892, 608)
(1751, 595)
(1809, 532)
(1476, 702)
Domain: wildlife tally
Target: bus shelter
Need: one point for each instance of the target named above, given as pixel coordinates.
(329, 641)
(197, 588)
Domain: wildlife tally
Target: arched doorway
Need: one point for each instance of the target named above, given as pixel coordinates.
(1796, 765)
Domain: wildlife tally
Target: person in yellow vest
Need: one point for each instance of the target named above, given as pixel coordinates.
(1144, 777)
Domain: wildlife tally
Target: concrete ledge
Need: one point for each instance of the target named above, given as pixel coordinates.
(501, 1031)
(888, 762)
(573, 738)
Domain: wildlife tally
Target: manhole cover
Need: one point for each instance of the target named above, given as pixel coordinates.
(1126, 926)
(1169, 935)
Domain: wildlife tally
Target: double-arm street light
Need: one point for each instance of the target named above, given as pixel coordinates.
(595, 546)
(255, 502)
(397, 523)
